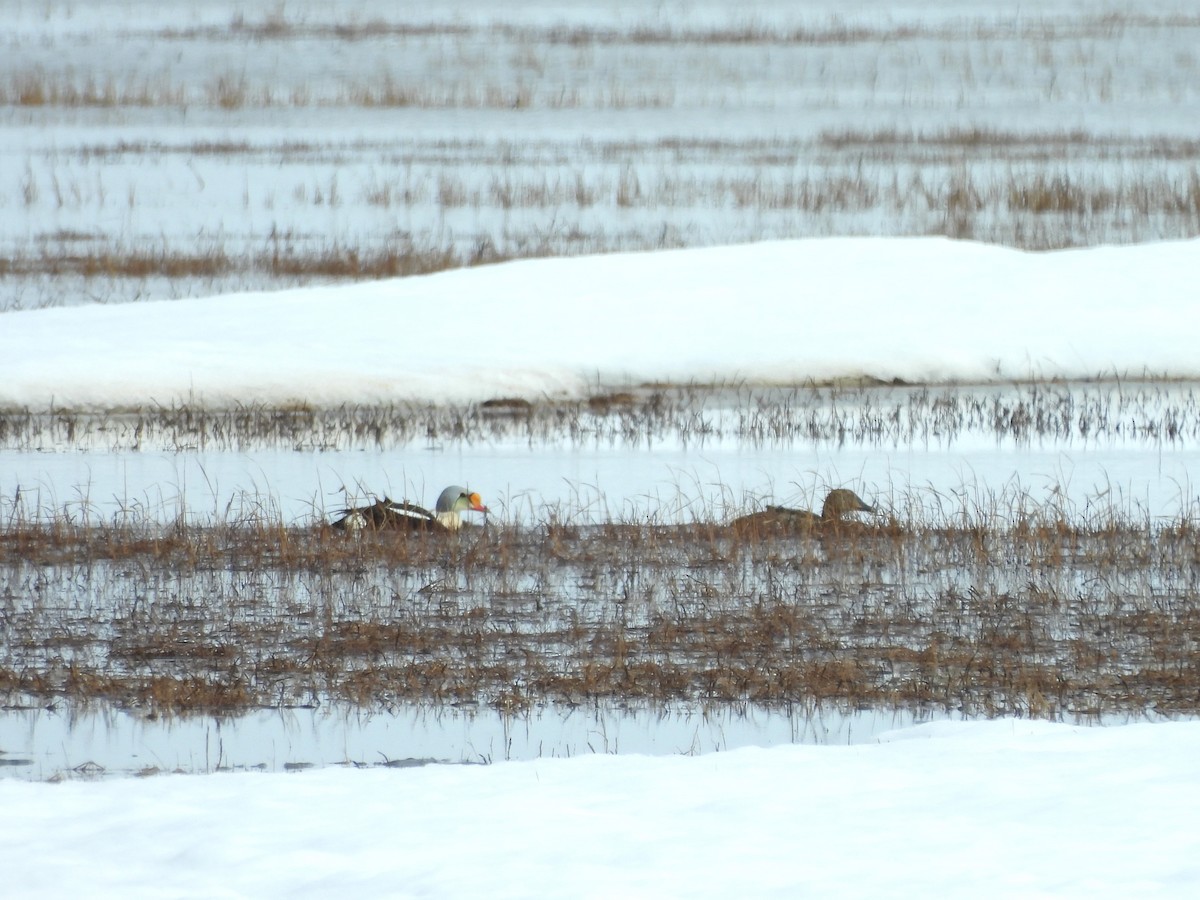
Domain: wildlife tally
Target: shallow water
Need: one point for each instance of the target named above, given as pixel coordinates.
(711, 457)
(39, 744)
(672, 456)
(523, 486)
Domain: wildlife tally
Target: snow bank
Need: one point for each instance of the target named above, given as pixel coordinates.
(1003, 808)
(919, 309)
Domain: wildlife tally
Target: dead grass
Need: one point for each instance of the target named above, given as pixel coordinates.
(234, 91)
(1034, 204)
(1039, 616)
(1136, 409)
(43, 89)
(537, 196)
(340, 262)
(277, 26)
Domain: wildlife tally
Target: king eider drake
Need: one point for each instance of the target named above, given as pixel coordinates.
(839, 503)
(390, 515)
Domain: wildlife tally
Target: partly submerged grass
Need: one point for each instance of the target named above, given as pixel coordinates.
(1023, 610)
(863, 413)
(338, 262)
(985, 157)
(510, 205)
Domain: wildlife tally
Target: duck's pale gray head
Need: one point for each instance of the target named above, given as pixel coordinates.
(456, 499)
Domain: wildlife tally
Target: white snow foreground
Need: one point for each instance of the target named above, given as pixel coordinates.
(917, 309)
(1001, 808)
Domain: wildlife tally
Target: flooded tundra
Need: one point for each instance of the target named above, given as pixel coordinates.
(1035, 555)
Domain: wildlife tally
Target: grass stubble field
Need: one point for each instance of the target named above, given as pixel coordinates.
(213, 156)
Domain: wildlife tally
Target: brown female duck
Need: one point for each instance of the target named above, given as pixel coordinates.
(839, 503)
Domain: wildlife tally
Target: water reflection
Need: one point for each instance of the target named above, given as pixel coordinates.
(39, 744)
(674, 455)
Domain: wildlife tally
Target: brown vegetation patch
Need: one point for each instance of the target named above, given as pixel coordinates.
(347, 263)
(1042, 618)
